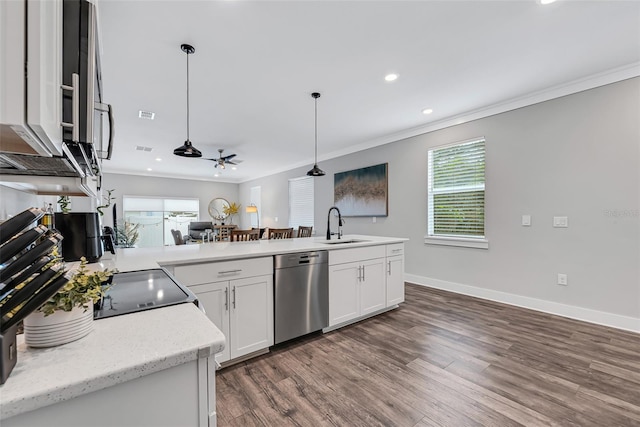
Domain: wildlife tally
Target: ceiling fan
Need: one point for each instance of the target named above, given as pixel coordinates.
(222, 161)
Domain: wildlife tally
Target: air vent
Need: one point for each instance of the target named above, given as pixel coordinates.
(141, 148)
(146, 115)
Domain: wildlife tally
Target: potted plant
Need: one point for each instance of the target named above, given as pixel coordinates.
(230, 210)
(127, 235)
(68, 315)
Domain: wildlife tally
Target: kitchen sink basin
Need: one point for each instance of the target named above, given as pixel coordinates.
(341, 241)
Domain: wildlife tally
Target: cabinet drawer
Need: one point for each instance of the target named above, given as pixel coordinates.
(343, 256)
(196, 274)
(395, 249)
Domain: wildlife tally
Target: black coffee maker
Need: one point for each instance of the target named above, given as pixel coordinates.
(82, 237)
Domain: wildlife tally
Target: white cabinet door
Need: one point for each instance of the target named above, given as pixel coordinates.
(251, 315)
(395, 280)
(44, 72)
(215, 299)
(372, 286)
(344, 292)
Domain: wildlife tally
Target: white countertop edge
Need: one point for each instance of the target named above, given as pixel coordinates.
(143, 258)
(30, 387)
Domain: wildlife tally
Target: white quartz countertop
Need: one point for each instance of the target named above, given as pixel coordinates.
(119, 349)
(144, 258)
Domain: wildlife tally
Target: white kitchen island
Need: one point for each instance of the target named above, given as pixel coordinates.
(157, 367)
(150, 368)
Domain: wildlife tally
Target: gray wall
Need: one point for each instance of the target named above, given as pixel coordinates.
(575, 156)
(132, 185)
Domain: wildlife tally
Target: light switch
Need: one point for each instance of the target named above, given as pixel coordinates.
(561, 221)
(373, 219)
(526, 220)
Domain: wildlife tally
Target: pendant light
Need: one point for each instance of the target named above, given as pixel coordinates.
(187, 150)
(316, 171)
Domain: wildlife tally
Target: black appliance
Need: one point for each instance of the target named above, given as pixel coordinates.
(109, 239)
(29, 276)
(141, 290)
(81, 232)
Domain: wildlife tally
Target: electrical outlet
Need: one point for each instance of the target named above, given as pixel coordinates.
(562, 279)
(526, 220)
(276, 219)
(561, 221)
(373, 219)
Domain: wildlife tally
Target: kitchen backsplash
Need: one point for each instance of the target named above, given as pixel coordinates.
(14, 201)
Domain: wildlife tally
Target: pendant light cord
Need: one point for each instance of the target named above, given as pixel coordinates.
(187, 96)
(316, 130)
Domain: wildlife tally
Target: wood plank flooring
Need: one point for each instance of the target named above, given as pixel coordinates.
(442, 359)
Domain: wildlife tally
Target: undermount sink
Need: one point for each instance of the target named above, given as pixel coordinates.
(341, 241)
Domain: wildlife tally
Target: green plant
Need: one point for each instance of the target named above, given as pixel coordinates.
(65, 204)
(231, 209)
(84, 288)
(107, 202)
(127, 235)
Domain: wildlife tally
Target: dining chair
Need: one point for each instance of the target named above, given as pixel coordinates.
(224, 231)
(304, 231)
(244, 235)
(280, 233)
(177, 237)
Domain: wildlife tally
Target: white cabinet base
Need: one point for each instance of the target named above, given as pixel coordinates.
(179, 396)
(357, 319)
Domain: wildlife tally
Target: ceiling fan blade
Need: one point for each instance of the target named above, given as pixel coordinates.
(230, 162)
(229, 157)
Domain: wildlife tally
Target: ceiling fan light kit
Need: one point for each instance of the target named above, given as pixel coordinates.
(187, 149)
(316, 171)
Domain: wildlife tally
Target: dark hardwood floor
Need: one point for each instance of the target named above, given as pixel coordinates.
(442, 359)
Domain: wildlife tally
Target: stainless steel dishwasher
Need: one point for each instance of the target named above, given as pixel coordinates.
(301, 300)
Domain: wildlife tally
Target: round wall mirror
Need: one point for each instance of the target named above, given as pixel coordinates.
(216, 208)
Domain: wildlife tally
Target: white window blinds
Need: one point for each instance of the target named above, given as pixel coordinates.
(456, 190)
(301, 199)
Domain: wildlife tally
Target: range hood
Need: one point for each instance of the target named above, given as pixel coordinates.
(74, 174)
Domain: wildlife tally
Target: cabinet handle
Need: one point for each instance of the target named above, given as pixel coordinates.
(229, 272)
(234, 297)
(110, 147)
(359, 273)
(363, 279)
(389, 268)
(395, 251)
(226, 299)
(75, 107)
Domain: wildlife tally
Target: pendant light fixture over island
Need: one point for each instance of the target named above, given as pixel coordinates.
(187, 149)
(316, 171)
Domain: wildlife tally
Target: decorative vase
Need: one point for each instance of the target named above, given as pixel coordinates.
(59, 328)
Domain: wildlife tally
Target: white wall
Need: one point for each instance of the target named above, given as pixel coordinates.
(575, 156)
(15, 201)
(133, 185)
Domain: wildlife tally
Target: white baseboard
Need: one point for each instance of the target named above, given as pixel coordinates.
(585, 314)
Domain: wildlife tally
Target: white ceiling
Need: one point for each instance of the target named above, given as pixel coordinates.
(257, 62)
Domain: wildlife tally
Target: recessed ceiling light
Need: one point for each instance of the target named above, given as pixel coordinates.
(216, 174)
(547, 1)
(146, 115)
(149, 169)
(158, 159)
(427, 111)
(391, 77)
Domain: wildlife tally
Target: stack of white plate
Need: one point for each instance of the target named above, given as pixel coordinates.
(58, 328)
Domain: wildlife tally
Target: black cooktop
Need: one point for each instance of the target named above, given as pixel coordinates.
(141, 290)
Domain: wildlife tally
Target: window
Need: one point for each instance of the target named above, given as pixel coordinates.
(156, 217)
(456, 195)
(301, 202)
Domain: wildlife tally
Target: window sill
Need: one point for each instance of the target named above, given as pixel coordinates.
(466, 242)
